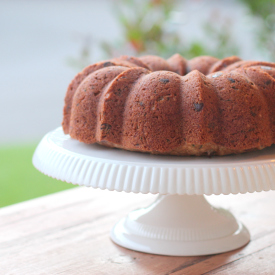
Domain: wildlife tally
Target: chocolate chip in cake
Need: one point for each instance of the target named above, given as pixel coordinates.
(164, 80)
(105, 126)
(160, 98)
(198, 106)
(268, 82)
(231, 80)
(108, 63)
(212, 125)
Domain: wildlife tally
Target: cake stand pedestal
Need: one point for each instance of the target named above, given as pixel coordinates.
(180, 222)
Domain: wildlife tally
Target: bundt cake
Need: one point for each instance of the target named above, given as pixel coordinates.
(202, 106)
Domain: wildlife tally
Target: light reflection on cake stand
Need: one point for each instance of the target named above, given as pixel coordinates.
(180, 222)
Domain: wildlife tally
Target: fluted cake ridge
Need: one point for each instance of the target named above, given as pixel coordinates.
(202, 106)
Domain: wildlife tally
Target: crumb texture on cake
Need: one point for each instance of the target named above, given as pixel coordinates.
(202, 106)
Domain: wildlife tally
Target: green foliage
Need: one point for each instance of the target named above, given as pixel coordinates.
(262, 8)
(147, 29)
(221, 35)
(19, 180)
(144, 25)
(264, 12)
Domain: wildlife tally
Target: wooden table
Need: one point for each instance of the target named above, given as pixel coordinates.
(68, 233)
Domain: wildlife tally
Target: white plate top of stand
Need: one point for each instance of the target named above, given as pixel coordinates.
(98, 166)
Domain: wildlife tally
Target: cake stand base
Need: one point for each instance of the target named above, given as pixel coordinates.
(181, 222)
(180, 225)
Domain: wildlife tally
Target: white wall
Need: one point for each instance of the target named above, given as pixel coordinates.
(37, 38)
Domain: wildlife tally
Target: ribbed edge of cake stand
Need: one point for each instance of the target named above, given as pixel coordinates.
(53, 159)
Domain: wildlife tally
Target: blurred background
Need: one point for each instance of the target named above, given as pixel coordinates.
(45, 43)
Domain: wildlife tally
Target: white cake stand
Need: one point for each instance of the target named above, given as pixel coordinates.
(180, 222)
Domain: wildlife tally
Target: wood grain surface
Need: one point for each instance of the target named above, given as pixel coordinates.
(68, 233)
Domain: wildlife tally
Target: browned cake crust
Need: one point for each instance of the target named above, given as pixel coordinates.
(203, 106)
